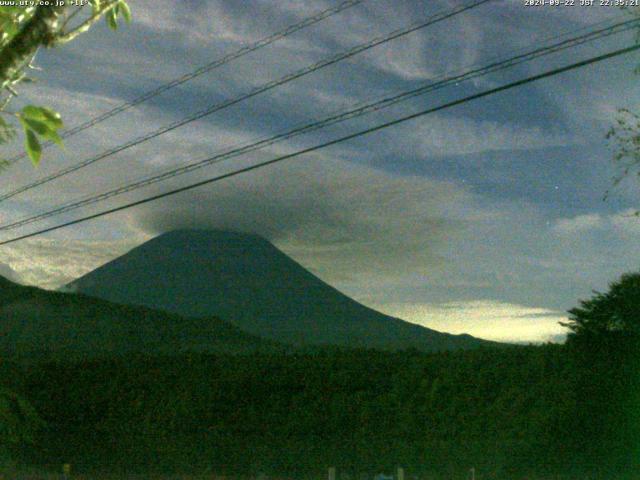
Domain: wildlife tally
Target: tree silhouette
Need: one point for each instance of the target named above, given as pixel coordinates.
(606, 378)
(611, 316)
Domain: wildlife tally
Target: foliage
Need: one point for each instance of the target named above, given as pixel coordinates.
(39, 121)
(511, 413)
(615, 313)
(604, 346)
(24, 29)
(537, 412)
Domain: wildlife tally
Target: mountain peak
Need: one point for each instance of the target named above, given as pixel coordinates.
(244, 279)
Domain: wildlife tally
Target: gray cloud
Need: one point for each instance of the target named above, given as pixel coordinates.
(327, 212)
(51, 263)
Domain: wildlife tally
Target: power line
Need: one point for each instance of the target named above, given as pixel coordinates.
(202, 70)
(367, 131)
(256, 91)
(333, 119)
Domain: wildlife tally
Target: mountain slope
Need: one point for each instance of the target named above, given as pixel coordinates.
(247, 281)
(39, 324)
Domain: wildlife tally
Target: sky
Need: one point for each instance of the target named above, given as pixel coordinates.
(487, 218)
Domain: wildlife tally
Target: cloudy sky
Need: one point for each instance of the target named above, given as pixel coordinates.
(485, 218)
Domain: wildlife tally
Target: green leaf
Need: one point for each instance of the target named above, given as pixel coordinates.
(32, 146)
(43, 129)
(55, 138)
(40, 128)
(125, 10)
(8, 28)
(96, 5)
(42, 114)
(111, 18)
(53, 118)
(11, 21)
(43, 121)
(13, 11)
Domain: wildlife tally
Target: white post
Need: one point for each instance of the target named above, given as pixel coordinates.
(332, 473)
(400, 475)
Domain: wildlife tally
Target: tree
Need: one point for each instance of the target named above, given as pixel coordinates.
(604, 353)
(612, 315)
(25, 29)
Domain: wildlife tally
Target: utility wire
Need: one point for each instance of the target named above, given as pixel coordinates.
(256, 91)
(485, 93)
(202, 70)
(333, 119)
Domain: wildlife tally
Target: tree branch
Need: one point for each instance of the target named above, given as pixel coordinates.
(4, 103)
(71, 17)
(84, 26)
(38, 31)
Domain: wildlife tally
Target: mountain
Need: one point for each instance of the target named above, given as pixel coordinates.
(40, 324)
(244, 279)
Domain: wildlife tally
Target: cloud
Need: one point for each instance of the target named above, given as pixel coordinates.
(625, 223)
(327, 212)
(384, 238)
(581, 223)
(421, 55)
(194, 22)
(7, 272)
(490, 320)
(52, 263)
(441, 135)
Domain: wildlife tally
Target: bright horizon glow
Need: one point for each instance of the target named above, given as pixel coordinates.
(502, 322)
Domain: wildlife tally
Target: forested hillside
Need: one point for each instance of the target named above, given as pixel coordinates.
(38, 325)
(525, 412)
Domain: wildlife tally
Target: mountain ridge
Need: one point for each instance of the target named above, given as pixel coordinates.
(246, 280)
(38, 324)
